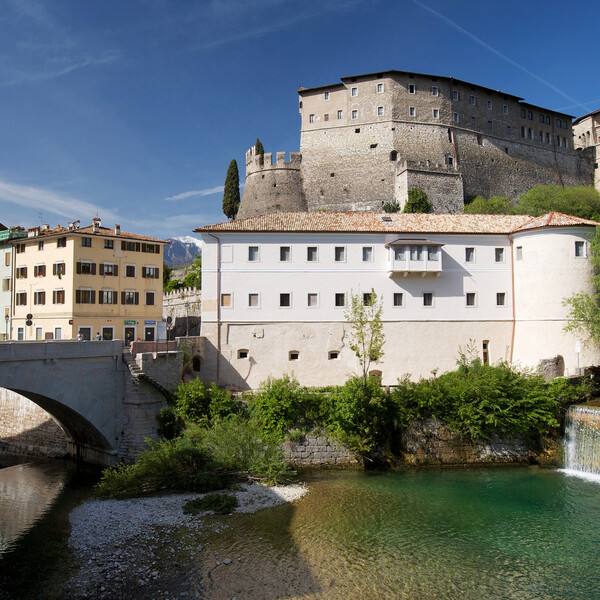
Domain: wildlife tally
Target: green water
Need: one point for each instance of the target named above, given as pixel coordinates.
(422, 534)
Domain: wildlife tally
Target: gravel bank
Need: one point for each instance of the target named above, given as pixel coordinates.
(147, 547)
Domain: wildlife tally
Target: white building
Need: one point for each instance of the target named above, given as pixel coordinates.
(275, 288)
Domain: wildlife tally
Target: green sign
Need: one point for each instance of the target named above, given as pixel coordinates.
(129, 322)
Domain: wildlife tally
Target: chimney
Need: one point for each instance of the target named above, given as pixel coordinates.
(96, 223)
(117, 230)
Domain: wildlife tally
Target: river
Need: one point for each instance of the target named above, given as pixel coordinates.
(419, 534)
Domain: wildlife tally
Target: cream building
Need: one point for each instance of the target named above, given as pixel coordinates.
(275, 290)
(586, 137)
(89, 280)
(7, 234)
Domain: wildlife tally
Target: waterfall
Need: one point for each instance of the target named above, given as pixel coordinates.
(582, 442)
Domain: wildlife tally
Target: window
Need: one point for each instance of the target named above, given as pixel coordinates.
(354, 92)
(285, 253)
(436, 113)
(427, 298)
(434, 90)
(530, 115)
(129, 270)
(472, 121)
(508, 130)
(489, 105)
(39, 271)
(150, 272)
(333, 355)
(21, 272)
(339, 114)
(500, 299)
(85, 267)
(432, 253)
(6, 284)
(449, 160)
(21, 298)
(541, 136)
(580, 249)
(108, 297)
(7, 259)
(473, 101)
(412, 111)
(456, 118)
(499, 255)
(340, 299)
(530, 133)
(242, 354)
(367, 253)
(20, 248)
(367, 298)
(149, 298)
(325, 95)
(130, 297)
(109, 244)
(58, 297)
(469, 254)
(39, 333)
(253, 300)
(558, 123)
(86, 242)
(109, 269)
(325, 117)
(455, 95)
(547, 138)
(285, 300)
(340, 254)
(294, 355)
(226, 300)
(150, 248)
(39, 298)
(470, 298)
(130, 246)
(412, 88)
(20, 333)
(505, 109)
(85, 296)
(379, 88)
(59, 269)
(523, 132)
(416, 253)
(398, 298)
(380, 111)
(312, 300)
(519, 253)
(312, 254)
(489, 126)
(355, 114)
(253, 254)
(542, 118)
(58, 333)
(41, 245)
(523, 113)
(311, 118)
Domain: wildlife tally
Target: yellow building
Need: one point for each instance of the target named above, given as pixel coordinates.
(92, 281)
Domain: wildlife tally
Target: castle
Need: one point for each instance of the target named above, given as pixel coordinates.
(369, 139)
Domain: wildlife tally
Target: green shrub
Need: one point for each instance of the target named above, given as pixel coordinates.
(197, 403)
(170, 425)
(417, 202)
(391, 207)
(219, 503)
(222, 403)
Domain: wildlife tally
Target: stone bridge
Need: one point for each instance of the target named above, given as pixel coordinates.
(104, 402)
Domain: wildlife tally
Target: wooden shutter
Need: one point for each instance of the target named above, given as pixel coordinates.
(79, 267)
(157, 273)
(114, 297)
(93, 297)
(116, 270)
(143, 271)
(122, 297)
(137, 298)
(101, 297)
(78, 296)
(93, 268)
(101, 268)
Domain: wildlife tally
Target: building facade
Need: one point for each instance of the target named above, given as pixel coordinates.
(276, 290)
(7, 234)
(586, 138)
(370, 138)
(86, 280)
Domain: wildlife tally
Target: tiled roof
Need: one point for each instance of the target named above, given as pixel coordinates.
(102, 232)
(333, 222)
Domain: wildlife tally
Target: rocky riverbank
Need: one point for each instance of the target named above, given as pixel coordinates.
(147, 548)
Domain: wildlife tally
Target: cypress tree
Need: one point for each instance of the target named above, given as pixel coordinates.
(260, 151)
(231, 193)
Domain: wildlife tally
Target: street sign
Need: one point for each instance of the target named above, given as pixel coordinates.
(578, 346)
(129, 322)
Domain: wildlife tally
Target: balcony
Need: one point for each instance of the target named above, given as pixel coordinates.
(410, 257)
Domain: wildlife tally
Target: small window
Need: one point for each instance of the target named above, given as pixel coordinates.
(39, 271)
(428, 299)
(7, 259)
(39, 298)
(455, 95)
(379, 88)
(412, 88)
(469, 254)
(86, 242)
(226, 300)
(6, 285)
(580, 249)
(505, 109)
(285, 300)
(489, 125)
(519, 253)
(449, 160)
(294, 355)
(129, 270)
(325, 95)
(432, 253)
(354, 92)
(41, 245)
(548, 120)
(149, 298)
(489, 105)
(312, 254)
(242, 353)
(472, 121)
(456, 118)
(434, 90)
(412, 111)
(253, 300)
(367, 298)
(21, 298)
(253, 254)
(285, 253)
(500, 299)
(20, 248)
(340, 299)
(150, 273)
(367, 253)
(85, 296)
(325, 117)
(340, 254)
(312, 300)
(523, 113)
(109, 297)
(61, 242)
(333, 355)
(380, 111)
(542, 118)
(530, 115)
(508, 131)
(339, 114)
(109, 244)
(58, 297)
(559, 123)
(355, 114)
(311, 118)
(499, 255)
(22, 273)
(436, 113)
(398, 298)
(470, 298)
(473, 101)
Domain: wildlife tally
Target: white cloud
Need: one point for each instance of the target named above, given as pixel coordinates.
(206, 192)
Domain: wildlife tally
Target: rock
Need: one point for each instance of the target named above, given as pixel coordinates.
(226, 561)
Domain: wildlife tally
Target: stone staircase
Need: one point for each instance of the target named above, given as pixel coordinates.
(137, 374)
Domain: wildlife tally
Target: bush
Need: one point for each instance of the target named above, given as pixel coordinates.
(391, 207)
(199, 404)
(496, 205)
(219, 503)
(170, 425)
(417, 202)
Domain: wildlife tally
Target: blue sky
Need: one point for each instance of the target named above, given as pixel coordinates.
(132, 109)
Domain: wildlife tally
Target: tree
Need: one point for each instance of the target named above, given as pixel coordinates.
(580, 201)
(417, 202)
(193, 274)
(260, 151)
(584, 309)
(231, 193)
(167, 272)
(496, 205)
(366, 334)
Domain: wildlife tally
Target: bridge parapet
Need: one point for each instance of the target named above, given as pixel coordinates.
(21, 351)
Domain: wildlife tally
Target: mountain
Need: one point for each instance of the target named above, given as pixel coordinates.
(182, 250)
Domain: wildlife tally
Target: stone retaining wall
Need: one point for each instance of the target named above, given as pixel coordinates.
(317, 450)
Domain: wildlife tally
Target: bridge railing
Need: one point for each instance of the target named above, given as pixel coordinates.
(41, 350)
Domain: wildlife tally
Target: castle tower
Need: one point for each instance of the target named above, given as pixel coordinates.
(271, 186)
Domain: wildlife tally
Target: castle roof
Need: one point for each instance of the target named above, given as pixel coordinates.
(371, 222)
(582, 117)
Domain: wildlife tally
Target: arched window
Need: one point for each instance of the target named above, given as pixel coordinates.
(196, 363)
(394, 155)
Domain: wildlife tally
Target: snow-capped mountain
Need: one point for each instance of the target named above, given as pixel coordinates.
(182, 250)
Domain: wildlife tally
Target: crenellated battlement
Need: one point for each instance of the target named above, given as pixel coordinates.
(259, 163)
